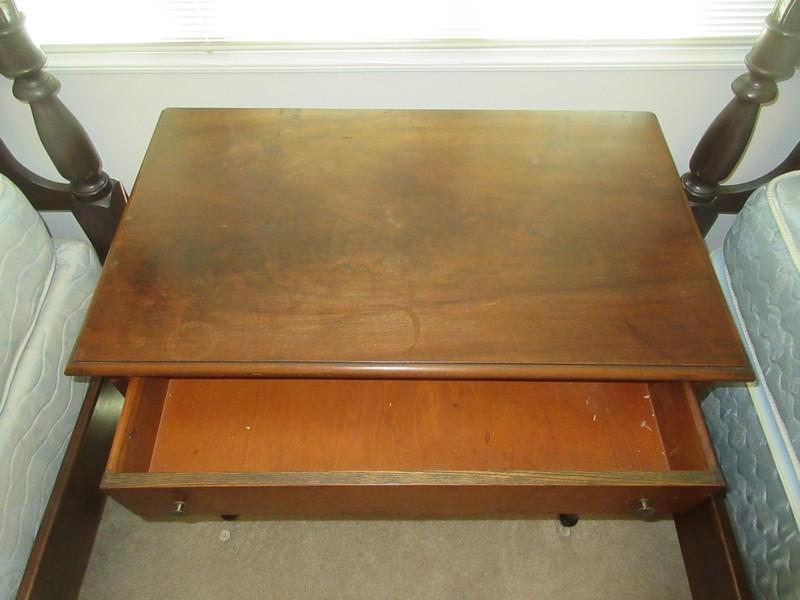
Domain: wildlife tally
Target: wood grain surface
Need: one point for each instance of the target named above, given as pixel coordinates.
(682, 426)
(382, 425)
(409, 495)
(437, 431)
(138, 425)
(710, 553)
(337, 448)
(466, 244)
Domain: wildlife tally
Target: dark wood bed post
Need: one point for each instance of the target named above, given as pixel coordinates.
(97, 200)
(66, 533)
(773, 58)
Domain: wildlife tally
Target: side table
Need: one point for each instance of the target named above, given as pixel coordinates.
(363, 313)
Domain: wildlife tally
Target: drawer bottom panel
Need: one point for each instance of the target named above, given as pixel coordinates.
(409, 449)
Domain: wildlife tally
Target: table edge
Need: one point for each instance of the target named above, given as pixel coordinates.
(413, 370)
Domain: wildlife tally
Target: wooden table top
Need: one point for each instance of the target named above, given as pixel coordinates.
(408, 243)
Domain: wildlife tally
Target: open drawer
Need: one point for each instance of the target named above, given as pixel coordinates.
(408, 448)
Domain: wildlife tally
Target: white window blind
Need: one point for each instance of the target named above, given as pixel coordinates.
(457, 22)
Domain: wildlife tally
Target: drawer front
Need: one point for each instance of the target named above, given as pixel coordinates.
(360, 449)
(411, 495)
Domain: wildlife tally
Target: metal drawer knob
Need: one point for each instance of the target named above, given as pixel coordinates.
(645, 510)
(178, 507)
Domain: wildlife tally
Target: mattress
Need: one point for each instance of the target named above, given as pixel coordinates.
(27, 260)
(755, 428)
(39, 405)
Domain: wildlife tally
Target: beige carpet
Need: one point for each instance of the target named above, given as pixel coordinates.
(435, 560)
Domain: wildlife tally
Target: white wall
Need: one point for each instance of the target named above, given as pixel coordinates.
(120, 109)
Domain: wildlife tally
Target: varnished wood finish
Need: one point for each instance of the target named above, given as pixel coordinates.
(440, 244)
(465, 448)
(713, 564)
(409, 495)
(96, 200)
(139, 420)
(682, 427)
(772, 58)
(98, 219)
(42, 193)
(66, 533)
(731, 198)
(642, 479)
(63, 137)
(414, 370)
(380, 425)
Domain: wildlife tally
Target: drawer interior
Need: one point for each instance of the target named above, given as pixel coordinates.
(270, 425)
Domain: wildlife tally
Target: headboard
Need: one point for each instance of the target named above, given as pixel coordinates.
(773, 58)
(95, 199)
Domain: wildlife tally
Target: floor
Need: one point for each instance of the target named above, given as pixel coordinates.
(435, 560)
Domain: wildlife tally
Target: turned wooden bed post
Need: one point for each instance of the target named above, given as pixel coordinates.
(773, 58)
(98, 200)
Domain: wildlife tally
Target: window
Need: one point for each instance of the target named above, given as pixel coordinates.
(383, 22)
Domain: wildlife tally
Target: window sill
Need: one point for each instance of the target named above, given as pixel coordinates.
(474, 57)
